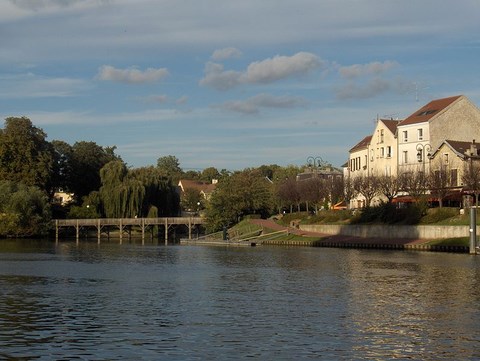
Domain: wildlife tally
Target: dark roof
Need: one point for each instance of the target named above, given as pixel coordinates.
(362, 144)
(390, 124)
(429, 110)
(460, 147)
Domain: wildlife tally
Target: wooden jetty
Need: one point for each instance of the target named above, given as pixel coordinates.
(121, 224)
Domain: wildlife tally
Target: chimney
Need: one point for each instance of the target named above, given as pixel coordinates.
(473, 149)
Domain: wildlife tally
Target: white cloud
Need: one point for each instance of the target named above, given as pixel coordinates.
(226, 53)
(157, 99)
(373, 68)
(252, 105)
(261, 72)
(33, 86)
(280, 67)
(131, 75)
(372, 88)
(218, 78)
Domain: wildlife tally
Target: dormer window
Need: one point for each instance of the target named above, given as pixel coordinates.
(426, 112)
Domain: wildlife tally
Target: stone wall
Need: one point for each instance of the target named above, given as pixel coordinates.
(391, 232)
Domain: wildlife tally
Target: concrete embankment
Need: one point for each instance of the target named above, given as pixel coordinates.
(390, 232)
(415, 238)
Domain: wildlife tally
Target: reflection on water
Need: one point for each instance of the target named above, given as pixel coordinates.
(151, 302)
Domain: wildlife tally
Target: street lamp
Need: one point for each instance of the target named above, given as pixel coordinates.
(315, 162)
(421, 149)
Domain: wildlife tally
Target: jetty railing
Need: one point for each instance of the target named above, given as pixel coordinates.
(122, 223)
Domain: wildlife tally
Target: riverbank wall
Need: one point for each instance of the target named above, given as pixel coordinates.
(390, 232)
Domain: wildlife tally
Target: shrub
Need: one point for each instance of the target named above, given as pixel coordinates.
(436, 215)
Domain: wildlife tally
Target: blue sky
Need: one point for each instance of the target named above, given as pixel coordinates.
(231, 84)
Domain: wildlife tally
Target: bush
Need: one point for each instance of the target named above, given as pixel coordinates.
(388, 213)
(436, 215)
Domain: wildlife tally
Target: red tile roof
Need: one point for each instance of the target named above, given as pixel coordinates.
(428, 111)
(391, 124)
(362, 144)
(199, 186)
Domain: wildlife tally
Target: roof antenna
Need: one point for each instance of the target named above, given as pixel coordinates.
(418, 90)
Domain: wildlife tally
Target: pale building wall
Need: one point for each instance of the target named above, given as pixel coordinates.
(411, 139)
(358, 166)
(383, 152)
(460, 121)
(447, 158)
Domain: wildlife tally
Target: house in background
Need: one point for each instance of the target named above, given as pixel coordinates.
(204, 188)
(62, 198)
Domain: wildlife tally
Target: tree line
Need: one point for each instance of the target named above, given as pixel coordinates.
(102, 184)
(32, 169)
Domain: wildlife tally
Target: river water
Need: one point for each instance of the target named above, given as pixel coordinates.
(154, 302)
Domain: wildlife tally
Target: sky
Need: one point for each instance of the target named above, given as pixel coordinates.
(231, 84)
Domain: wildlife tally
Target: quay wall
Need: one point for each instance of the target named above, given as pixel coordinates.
(390, 232)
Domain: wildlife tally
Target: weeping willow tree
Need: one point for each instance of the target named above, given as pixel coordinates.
(161, 196)
(122, 195)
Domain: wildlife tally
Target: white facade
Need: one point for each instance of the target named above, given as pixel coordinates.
(383, 149)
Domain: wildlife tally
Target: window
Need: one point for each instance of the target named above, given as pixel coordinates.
(420, 134)
(405, 157)
(381, 135)
(454, 177)
(382, 152)
(445, 158)
(405, 136)
(389, 152)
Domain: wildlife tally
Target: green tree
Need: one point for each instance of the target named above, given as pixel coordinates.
(209, 174)
(24, 210)
(191, 200)
(160, 192)
(245, 192)
(25, 155)
(169, 167)
(86, 161)
(121, 194)
(62, 166)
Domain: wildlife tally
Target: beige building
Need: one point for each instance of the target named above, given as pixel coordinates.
(432, 137)
(425, 130)
(383, 148)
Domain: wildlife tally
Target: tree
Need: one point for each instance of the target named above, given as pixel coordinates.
(191, 200)
(312, 191)
(159, 192)
(367, 186)
(121, 194)
(414, 183)
(62, 166)
(86, 161)
(244, 192)
(348, 190)
(389, 186)
(209, 174)
(169, 167)
(439, 182)
(24, 210)
(288, 193)
(25, 155)
(471, 177)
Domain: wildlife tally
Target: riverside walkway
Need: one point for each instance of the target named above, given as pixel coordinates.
(126, 224)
